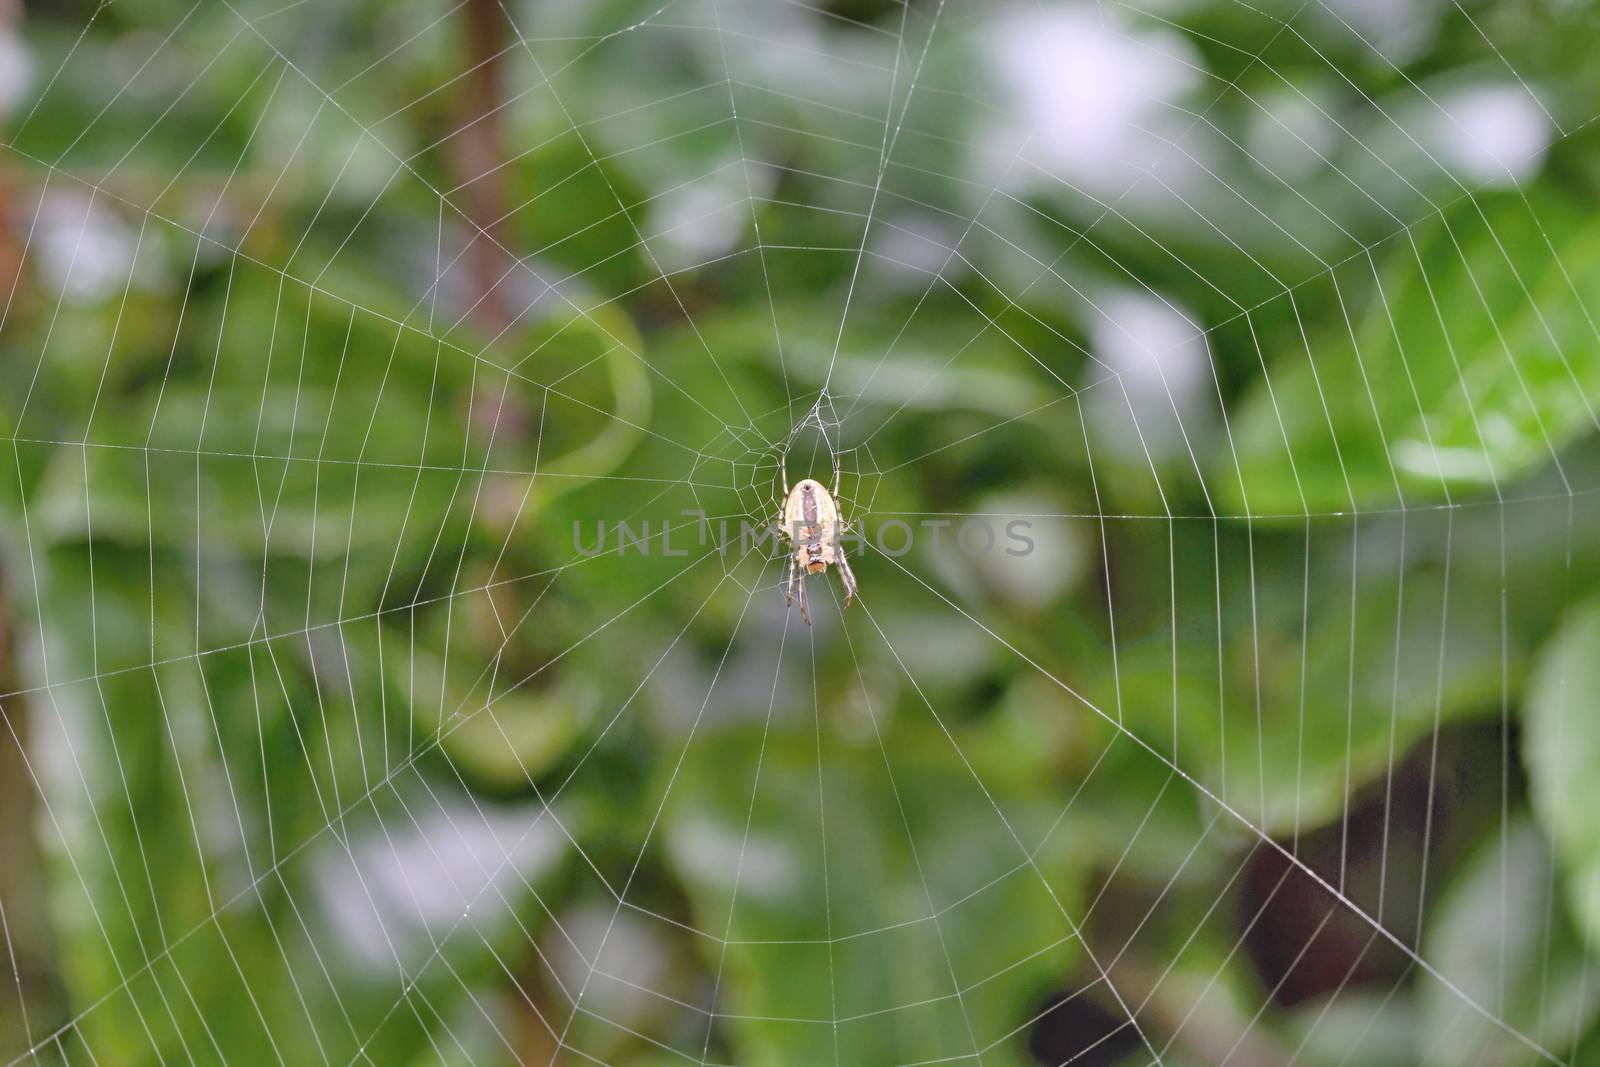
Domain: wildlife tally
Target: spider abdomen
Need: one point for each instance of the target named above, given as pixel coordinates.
(812, 525)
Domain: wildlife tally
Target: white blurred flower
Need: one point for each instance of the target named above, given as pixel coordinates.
(1397, 30)
(616, 956)
(1491, 133)
(703, 218)
(1052, 558)
(85, 251)
(1151, 343)
(720, 855)
(1158, 354)
(1293, 133)
(912, 247)
(1090, 92)
(16, 71)
(403, 888)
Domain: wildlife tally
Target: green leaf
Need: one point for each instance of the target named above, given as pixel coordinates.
(865, 882)
(1496, 937)
(1287, 750)
(1562, 750)
(502, 741)
(1475, 358)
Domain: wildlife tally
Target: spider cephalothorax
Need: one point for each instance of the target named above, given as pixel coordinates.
(811, 523)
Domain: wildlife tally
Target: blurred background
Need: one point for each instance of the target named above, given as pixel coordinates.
(338, 338)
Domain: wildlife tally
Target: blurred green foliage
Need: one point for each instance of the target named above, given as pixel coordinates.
(339, 749)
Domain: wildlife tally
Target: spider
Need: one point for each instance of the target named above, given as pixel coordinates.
(811, 523)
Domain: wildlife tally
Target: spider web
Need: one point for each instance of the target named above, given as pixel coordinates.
(345, 748)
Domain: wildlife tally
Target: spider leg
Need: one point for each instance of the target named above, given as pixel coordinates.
(788, 584)
(838, 475)
(800, 584)
(783, 468)
(845, 574)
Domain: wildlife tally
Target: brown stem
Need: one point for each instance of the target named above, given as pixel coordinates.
(477, 153)
(26, 941)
